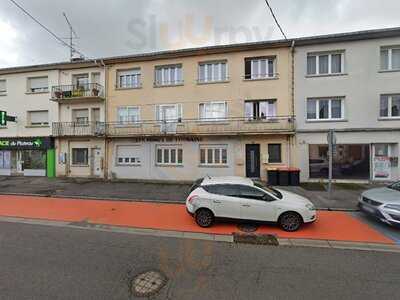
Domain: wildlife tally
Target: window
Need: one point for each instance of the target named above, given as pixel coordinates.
(129, 155)
(168, 75)
(80, 116)
(81, 81)
(96, 78)
(390, 58)
(390, 106)
(38, 85)
(274, 153)
(80, 156)
(260, 68)
(213, 111)
(230, 190)
(325, 109)
(169, 112)
(129, 78)
(325, 63)
(249, 192)
(213, 71)
(260, 109)
(128, 114)
(213, 155)
(38, 118)
(169, 155)
(3, 87)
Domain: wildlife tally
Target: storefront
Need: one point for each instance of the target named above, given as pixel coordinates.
(32, 156)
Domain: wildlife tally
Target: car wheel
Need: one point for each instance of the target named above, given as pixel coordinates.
(290, 221)
(204, 217)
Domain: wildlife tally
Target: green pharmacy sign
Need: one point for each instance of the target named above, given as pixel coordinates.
(3, 118)
(26, 143)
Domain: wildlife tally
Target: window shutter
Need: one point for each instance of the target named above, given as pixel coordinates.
(38, 117)
(247, 69)
(3, 87)
(38, 82)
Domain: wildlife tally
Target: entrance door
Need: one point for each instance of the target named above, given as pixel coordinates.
(17, 163)
(253, 160)
(96, 162)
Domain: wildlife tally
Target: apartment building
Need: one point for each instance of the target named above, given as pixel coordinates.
(79, 131)
(349, 83)
(181, 115)
(26, 148)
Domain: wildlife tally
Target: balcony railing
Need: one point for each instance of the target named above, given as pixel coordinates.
(65, 92)
(78, 129)
(228, 126)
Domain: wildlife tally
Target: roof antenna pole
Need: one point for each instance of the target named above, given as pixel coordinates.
(72, 36)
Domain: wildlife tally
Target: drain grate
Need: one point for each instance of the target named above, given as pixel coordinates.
(148, 283)
(248, 227)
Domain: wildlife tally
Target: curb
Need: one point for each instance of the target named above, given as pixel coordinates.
(282, 242)
(79, 197)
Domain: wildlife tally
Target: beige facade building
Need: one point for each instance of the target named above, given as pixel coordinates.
(181, 115)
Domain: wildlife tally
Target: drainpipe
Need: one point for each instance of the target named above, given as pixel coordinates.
(291, 139)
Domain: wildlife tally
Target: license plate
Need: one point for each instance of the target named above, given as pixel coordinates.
(368, 209)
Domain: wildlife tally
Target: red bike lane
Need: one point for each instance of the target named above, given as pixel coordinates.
(337, 226)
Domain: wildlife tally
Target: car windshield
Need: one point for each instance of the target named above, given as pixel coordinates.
(395, 186)
(268, 189)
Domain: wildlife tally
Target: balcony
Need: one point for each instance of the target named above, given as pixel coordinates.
(70, 129)
(229, 126)
(69, 93)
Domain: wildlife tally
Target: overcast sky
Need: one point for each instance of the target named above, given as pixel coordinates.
(119, 27)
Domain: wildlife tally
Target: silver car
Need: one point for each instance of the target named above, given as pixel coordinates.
(382, 203)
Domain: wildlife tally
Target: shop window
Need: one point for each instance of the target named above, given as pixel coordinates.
(80, 156)
(274, 153)
(34, 159)
(129, 155)
(350, 161)
(169, 155)
(213, 155)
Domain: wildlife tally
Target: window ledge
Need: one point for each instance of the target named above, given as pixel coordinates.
(3, 127)
(212, 82)
(326, 75)
(37, 126)
(326, 121)
(3, 94)
(167, 85)
(270, 120)
(213, 166)
(261, 79)
(169, 165)
(205, 123)
(128, 125)
(127, 165)
(389, 119)
(36, 93)
(128, 88)
(79, 166)
(389, 71)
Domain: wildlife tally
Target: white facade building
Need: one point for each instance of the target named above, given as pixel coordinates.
(349, 83)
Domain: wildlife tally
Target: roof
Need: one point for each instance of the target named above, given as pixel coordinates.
(227, 180)
(321, 39)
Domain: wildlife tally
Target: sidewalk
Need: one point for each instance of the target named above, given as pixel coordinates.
(336, 226)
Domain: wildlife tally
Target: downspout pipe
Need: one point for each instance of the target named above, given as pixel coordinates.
(292, 139)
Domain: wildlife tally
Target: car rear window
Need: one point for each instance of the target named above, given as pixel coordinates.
(222, 189)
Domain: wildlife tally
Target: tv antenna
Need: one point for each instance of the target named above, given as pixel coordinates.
(71, 38)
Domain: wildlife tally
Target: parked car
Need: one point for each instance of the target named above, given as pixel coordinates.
(382, 203)
(242, 198)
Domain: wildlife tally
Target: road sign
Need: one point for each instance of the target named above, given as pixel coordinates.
(3, 118)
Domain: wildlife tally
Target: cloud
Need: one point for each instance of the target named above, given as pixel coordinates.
(119, 27)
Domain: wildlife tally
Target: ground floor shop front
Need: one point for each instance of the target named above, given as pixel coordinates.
(188, 158)
(370, 156)
(80, 157)
(28, 156)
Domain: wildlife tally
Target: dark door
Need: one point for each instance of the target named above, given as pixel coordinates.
(253, 161)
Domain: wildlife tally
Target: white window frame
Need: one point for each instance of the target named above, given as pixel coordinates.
(257, 74)
(212, 77)
(3, 92)
(46, 123)
(138, 160)
(167, 81)
(135, 75)
(213, 148)
(44, 89)
(266, 116)
(169, 149)
(389, 105)
(330, 53)
(178, 110)
(390, 57)
(317, 119)
(213, 103)
(119, 108)
(75, 120)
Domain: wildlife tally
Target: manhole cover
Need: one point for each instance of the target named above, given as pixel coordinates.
(148, 283)
(247, 227)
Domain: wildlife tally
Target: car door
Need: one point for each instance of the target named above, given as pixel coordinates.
(224, 200)
(257, 204)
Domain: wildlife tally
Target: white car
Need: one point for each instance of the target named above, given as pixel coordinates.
(245, 199)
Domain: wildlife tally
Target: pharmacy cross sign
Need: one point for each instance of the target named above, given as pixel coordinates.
(4, 118)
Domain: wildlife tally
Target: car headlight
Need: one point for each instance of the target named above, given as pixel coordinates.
(310, 206)
(393, 207)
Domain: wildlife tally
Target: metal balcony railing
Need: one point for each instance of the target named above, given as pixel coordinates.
(65, 92)
(78, 129)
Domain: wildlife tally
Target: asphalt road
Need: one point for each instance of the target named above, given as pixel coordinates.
(42, 262)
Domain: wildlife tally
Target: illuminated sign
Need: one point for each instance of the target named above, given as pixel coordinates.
(26, 143)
